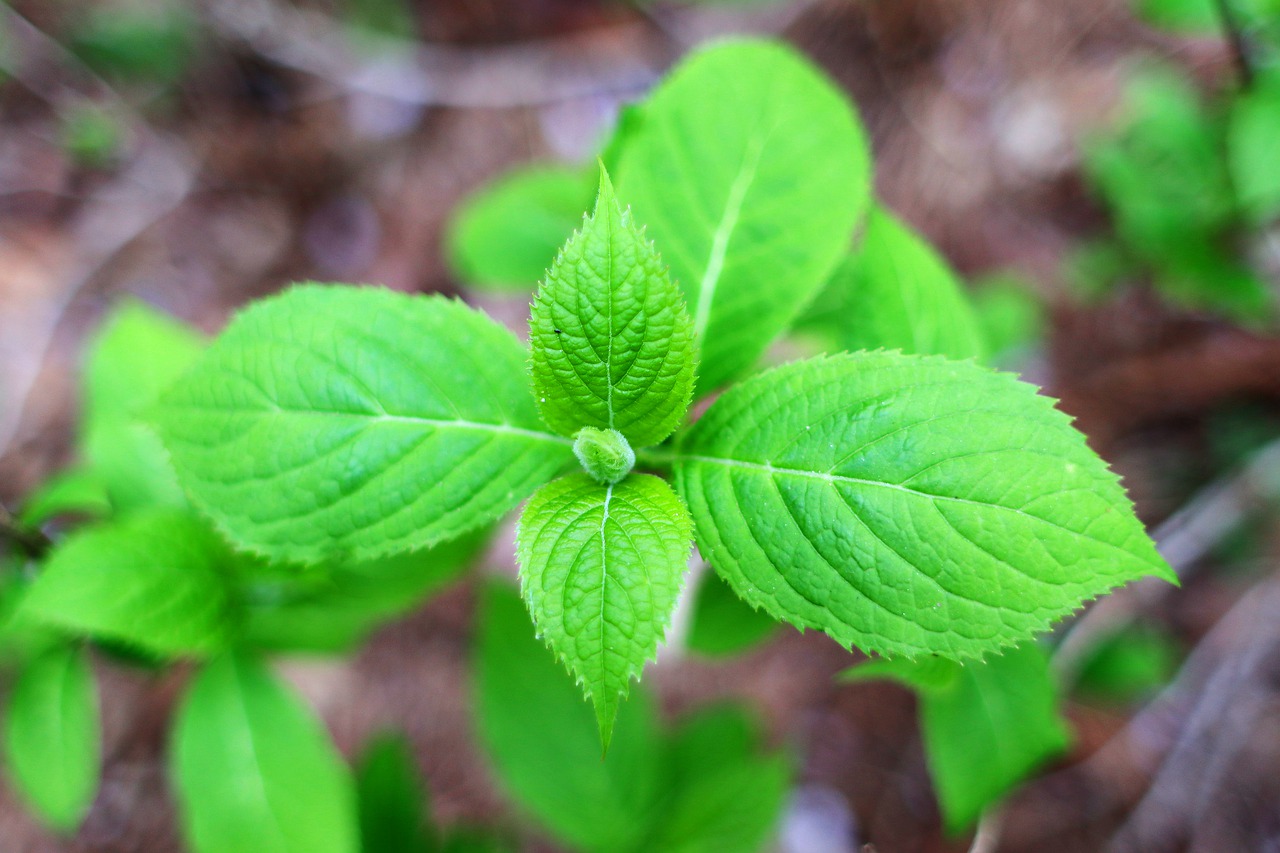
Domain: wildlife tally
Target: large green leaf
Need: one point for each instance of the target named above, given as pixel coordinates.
(541, 738)
(724, 792)
(152, 580)
(358, 422)
(907, 505)
(136, 355)
(508, 233)
(987, 725)
(612, 342)
(601, 568)
(254, 769)
(750, 171)
(895, 292)
(51, 737)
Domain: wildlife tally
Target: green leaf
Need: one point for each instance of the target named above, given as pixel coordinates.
(725, 793)
(601, 568)
(907, 505)
(138, 353)
(986, 728)
(331, 609)
(255, 770)
(1129, 666)
(79, 491)
(724, 624)
(542, 741)
(1181, 15)
(507, 234)
(152, 580)
(612, 342)
(895, 292)
(750, 171)
(1252, 130)
(392, 799)
(52, 739)
(357, 422)
(1011, 316)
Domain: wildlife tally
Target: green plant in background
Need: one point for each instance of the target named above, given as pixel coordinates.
(1193, 184)
(344, 450)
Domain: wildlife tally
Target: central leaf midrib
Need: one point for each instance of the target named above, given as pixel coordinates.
(723, 233)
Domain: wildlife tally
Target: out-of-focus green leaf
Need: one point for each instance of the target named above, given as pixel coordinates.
(1129, 665)
(1253, 145)
(52, 740)
(79, 491)
(1011, 317)
(136, 354)
(507, 234)
(255, 771)
(152, 43)
(393, 800)
(542, 740)
(724, 624)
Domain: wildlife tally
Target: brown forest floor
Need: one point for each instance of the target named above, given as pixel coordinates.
(261, 174)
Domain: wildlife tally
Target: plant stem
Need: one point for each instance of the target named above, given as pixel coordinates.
(1235, 38)
(32, 542)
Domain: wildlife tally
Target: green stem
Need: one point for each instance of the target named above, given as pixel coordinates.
(1235, 38)
(32, 542)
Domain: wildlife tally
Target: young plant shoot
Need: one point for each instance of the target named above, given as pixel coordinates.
(905, 504)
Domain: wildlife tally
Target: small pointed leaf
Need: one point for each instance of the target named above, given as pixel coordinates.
(612, 342)
(601, 568)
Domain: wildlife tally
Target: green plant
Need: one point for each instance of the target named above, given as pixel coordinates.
(344, 449)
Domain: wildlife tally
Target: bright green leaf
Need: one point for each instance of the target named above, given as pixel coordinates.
(907, 505)
(255, 770)
(136, 355)
(79, 491)
(612, 342)
(151, 580)
(52, 739)
(541, 738)
(750, 172)
(1011, 316)
(392, 799)
(986, 728)
(895, 292)
(357, 421)
(724, 624)
(601, 568)
(724, 792)
(1253, 137)
(506, 235)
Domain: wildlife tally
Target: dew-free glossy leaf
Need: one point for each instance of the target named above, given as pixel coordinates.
(895, 292)
(612, 342)
(542, 740)
(985, 728)
(52, 742)
(507, 234)
(152, 580)
(749, 171)
(358, 422)
(136, 355)
(255, 770)
(907, 505)
(601, 568)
